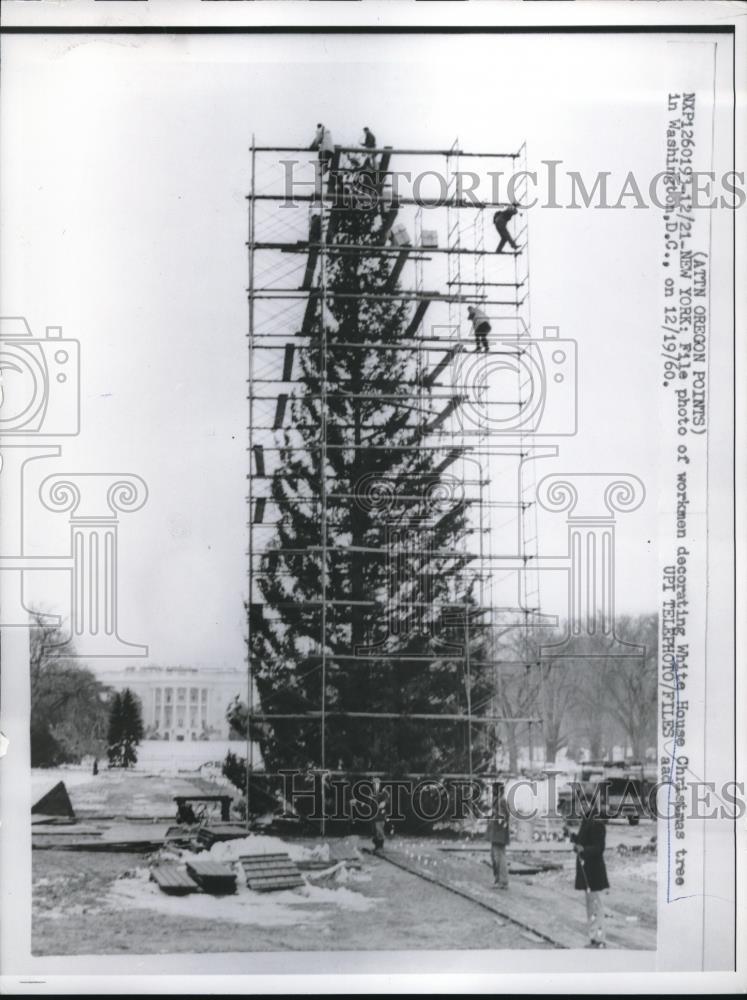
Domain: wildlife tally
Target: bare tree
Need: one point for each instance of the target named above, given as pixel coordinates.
(68, 703)
(594, 700)
(591, 718)
(631, 683)
(557, 695)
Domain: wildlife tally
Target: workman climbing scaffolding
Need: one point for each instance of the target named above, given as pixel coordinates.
(500, 221)
(480, 327)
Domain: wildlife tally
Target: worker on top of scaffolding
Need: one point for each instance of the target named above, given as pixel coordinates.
(369, 143)
(501, 221)
(323, 142)
(480, 328)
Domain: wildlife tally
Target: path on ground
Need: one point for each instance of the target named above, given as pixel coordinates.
(545, 903)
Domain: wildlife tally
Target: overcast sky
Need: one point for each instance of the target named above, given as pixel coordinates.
(124, 172)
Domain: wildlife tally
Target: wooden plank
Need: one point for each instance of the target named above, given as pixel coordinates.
(282, 400)
(431, 377)
(259, 459)
(288, 362)
(173, 880)
(315, 232)
(443, 415)
(334, 166)
(334, 218)
(310, 314)
(386, 223)
(211, 869)
(396, 271)
(417, 318)
(100, 846)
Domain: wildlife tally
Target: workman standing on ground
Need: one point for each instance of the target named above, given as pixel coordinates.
(381, 804)
(498, 835)
(591, 872)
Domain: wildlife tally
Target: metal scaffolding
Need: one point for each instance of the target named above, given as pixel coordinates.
(475, 409)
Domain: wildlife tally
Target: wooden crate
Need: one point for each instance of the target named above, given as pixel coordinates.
(267, 872)
(173, 880)
(213, 877)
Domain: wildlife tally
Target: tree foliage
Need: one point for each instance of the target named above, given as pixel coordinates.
(68, 703)
(125, 729)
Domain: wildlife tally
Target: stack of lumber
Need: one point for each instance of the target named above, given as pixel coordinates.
(267, 872)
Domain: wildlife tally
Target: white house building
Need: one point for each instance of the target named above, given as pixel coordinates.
(181, 703)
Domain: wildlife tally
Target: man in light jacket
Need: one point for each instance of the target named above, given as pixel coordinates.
(323, 142)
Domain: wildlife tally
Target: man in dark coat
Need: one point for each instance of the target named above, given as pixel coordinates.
(501, 221)
(498, 835)
(369, 143)
(591, 874)
(381, 805)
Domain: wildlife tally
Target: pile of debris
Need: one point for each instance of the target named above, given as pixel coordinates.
(177, 872)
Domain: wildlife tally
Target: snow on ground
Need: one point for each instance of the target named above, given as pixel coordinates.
(231, 850)
(45, 778)
(171, 756)
(641, 868)
(276, 909)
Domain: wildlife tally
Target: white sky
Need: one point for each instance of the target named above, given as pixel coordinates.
(124, 174)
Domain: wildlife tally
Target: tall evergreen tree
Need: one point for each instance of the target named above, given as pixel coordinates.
(396, 527)
(125, 729)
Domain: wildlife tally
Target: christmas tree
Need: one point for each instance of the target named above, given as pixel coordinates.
(370, 520)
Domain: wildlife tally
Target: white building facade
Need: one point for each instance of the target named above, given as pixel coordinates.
(181, 703)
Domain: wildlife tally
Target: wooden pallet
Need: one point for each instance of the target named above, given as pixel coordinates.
(213, 877)
(267, 872)
(172, 880)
